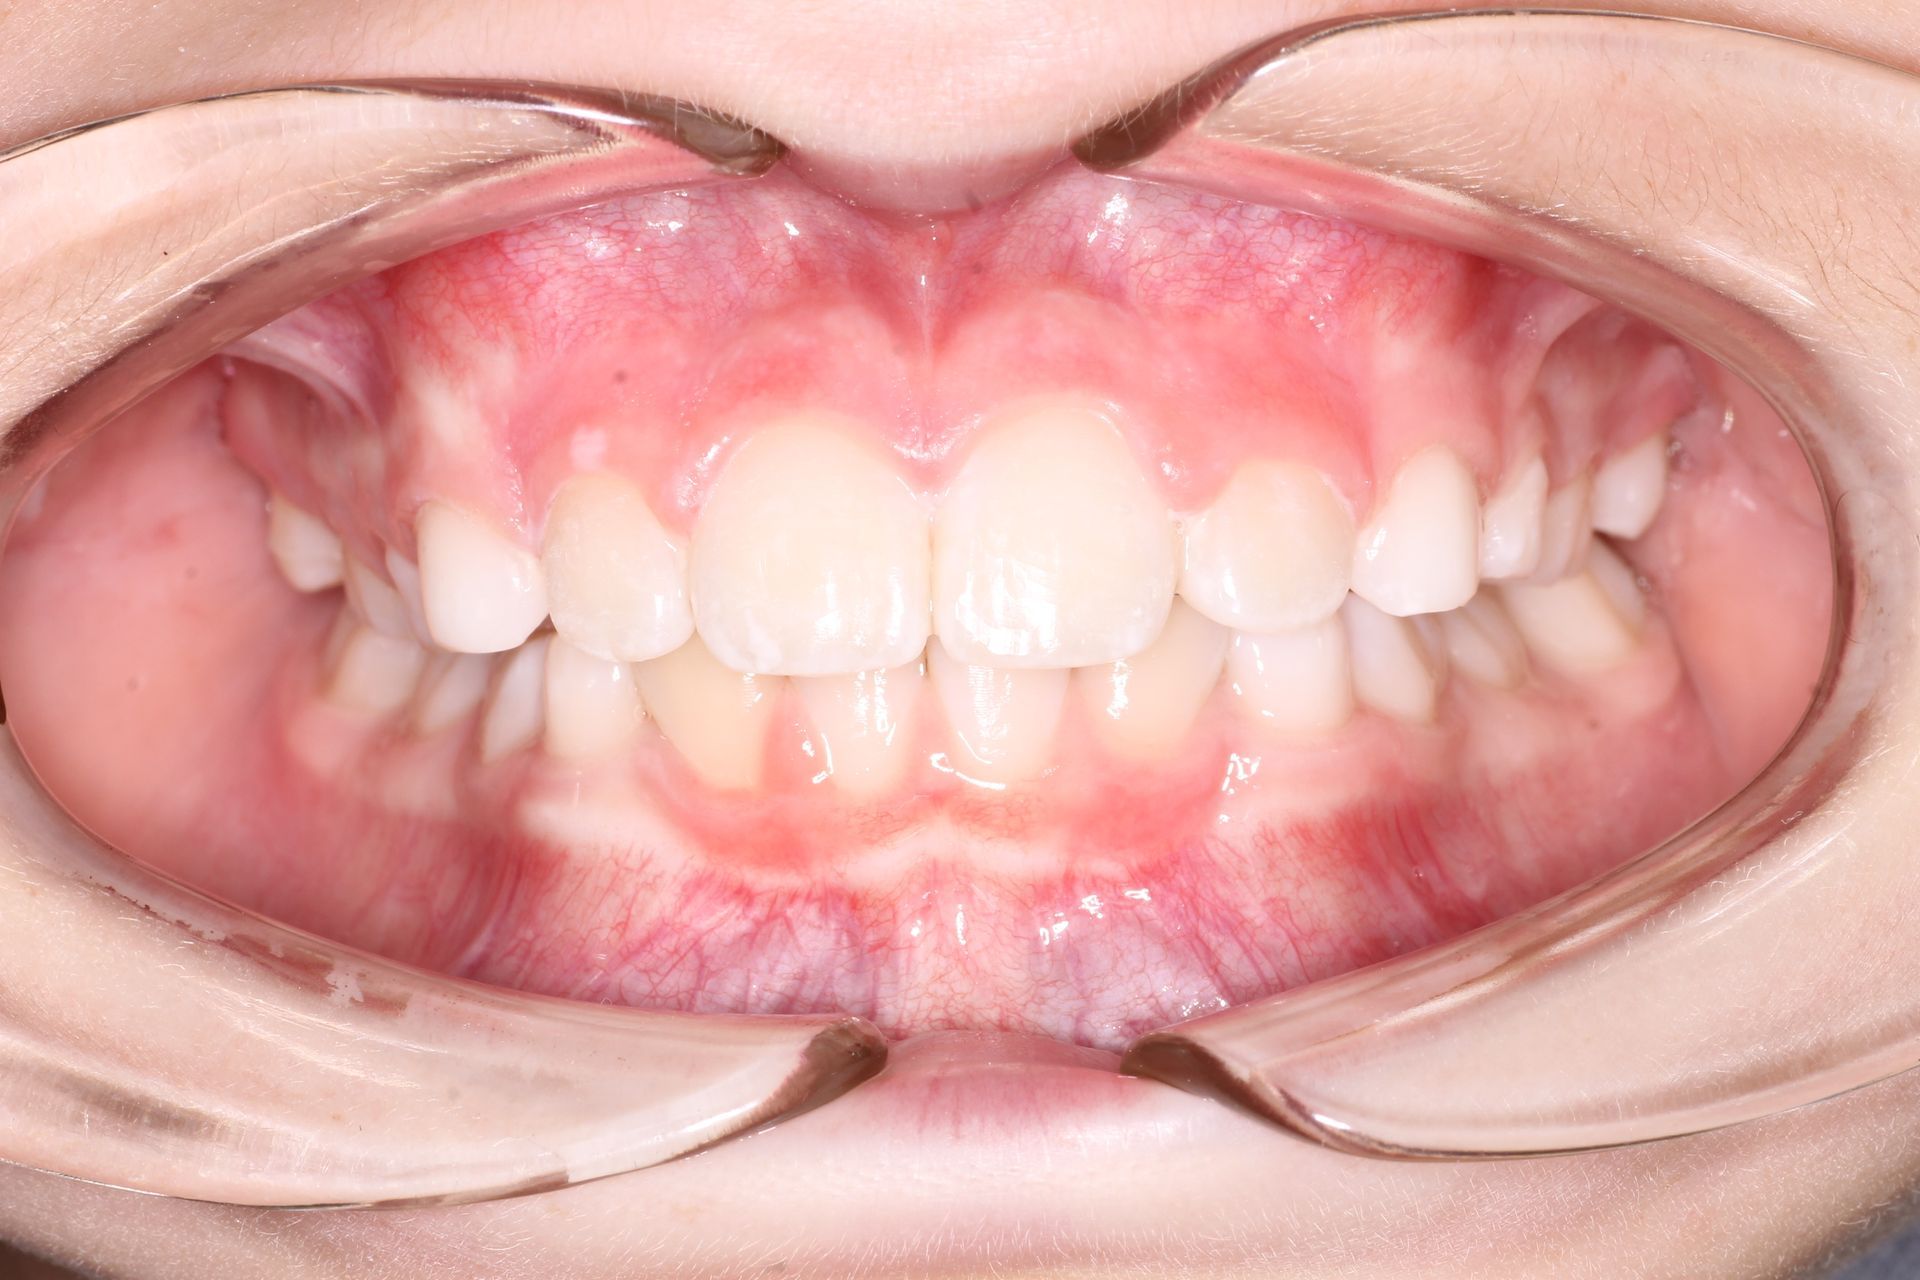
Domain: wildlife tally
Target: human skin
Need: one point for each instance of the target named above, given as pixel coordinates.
(1181, 1186)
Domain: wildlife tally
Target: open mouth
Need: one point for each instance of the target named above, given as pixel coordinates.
(1104, 608)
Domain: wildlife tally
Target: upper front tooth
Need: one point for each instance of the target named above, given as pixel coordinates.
(406, 582)
(1630, 487)
(1142, 706)
(593, 706)
(616, 581)
(1510, 526)
(717, 718)
(1421, 551)
(375, 672)
(1566, 529)
(1051, 548)
(307, 552)
(1301, 681)
(1002, 721)
(1274, 551)
(1394, 670)
(810, 557)
(483, 592)
(866, 723)
(375, 599)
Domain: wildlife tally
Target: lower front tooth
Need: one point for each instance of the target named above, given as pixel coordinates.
(516, 706)
(867, 723)
(1299, 681)
(1421, 551)
(1394, 670)
(717, 718)
(1629, 488)
(593, 706)
(452, 687)
(374, 672)
(1142, 707)
(307, 551)
(1002, 721)
(1482, 642)
(483, 592)
(1585, 623)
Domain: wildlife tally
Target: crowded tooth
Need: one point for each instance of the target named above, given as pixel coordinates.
(375, 599)
(810, 557)
(308, 553)
(1566, 529)
(452, 687)
(1002, 721)
(866, 723)
(714, 716)
(1629, 488)
(374, 672)
(1141, 707)
(1052, 548)
(1394, 670)
(483, 592)
(593, 706)
(1585, 623)
(1421, 551)
(1299, 681)
(406, 585)
(1510, 526)
(1482, 642)
(1274, 551)
(616, 581)
(515, 704)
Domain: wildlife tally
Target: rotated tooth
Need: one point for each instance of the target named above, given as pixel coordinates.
(1300, 681)
(867, 722)
(1629, 488)
(516, 703)
(593, 705)
(616, 580)
(307, 551)
(1394, 670)
(1566, 529)
(452, 687)
(406, 584)
(1585, 623)
(714, 716)
(1051, 549)
(374, 672)
(375, 599)
(1510, 527)
(811, 557)
(1481, 641)
(483, 592)
(1142, 707)
(1421, 551)
(1002, 721)
(1274, 551)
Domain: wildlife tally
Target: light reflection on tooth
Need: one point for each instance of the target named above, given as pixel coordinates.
(1586, 622)
(375, 600)
(1051, 549)
(1394, 669)
(373, 672)
(811, 557)
(1298, 681)
(1420, 553)
(515, 705)
(593, 704)
(1629, 488)
(1274, 551)
(306, 550)
(1566, 529)
(715, 717)
(452, 687)
(867, 722)
(1482, 642)
(1142, 707)
(1510, 526)
(1002, 721)
(483, 592)
(616, 580)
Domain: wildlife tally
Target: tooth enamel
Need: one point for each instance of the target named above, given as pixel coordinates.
(1142, 707)
(1274, 551)
(1481, 641)
(308, 553)
(406, 585)
(375, 599)
(593, 705)
(810, 558)
(1629, 488)
(1421, 551)
(1299, 681)
(452, 687)
(482, 591)
(1394, 670)
(616, 580)
(1584, 623)
(515, 703)
(1566, 529)
(1051, 548)
(866, 722)
(373, 672)
(1002, 721)
(715, 717)
(1510, 526)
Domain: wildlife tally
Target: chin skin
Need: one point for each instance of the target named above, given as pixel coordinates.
(928, 1171)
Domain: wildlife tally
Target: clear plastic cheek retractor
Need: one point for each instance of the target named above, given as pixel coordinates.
(1754, 964)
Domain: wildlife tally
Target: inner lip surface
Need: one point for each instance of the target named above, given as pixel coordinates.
(1091, 905)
